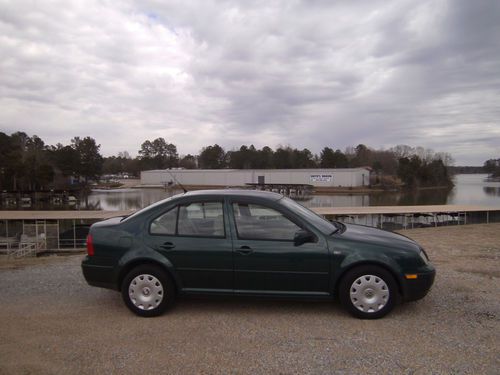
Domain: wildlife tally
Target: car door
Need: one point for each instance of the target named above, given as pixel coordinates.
(194, 237)
(266, 260)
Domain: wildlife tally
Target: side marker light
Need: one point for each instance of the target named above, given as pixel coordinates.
(411, 276)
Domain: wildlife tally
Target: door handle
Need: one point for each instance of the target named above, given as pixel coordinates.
(245, 250)
(167, 246)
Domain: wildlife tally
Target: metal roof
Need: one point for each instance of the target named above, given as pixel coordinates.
(312, 170)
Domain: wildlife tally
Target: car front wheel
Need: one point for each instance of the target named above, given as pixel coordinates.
(368, 292)
(148, 291)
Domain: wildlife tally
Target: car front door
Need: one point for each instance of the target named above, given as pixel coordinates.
(194, 237)
(266, 259)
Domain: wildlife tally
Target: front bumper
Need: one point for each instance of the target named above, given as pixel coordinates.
(414, 289)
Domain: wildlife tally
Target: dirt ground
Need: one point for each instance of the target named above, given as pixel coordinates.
(51, 322)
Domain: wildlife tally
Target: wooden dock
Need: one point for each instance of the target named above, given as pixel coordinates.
(25, 233)
(403, 217)
(377, 210)
(66, 230)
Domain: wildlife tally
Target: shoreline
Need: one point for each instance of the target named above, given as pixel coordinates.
(315, 191)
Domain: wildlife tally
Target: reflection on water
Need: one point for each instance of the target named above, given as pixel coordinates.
(343, 200)
(127, 199)
(411, 198)
(469, 189)
(491, 190)
(138, 198)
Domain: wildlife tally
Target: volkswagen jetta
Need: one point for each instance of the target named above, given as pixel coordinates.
(243, 242)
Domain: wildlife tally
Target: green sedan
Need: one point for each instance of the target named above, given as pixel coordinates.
(246, 242)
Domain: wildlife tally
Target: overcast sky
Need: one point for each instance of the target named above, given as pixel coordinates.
(305, 73)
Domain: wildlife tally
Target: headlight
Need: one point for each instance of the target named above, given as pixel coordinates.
(424, 256)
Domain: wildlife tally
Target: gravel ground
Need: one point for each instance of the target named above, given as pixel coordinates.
(51, 322)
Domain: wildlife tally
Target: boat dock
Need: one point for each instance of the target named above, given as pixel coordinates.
(39, 199)
(407, 217)
(30, 232)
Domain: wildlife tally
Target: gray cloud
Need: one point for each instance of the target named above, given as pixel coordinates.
(305, 73)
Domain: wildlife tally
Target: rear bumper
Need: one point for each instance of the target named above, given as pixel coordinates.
(418, 288)
(100, 276)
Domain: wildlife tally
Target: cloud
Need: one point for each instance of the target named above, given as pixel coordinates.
(305, 73)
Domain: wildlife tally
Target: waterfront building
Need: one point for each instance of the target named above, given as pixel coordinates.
(318, 178)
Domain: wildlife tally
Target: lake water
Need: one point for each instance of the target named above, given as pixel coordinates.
(470, 189)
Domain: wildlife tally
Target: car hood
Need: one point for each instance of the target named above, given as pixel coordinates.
(376, 236)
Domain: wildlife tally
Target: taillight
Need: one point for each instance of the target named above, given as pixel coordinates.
(90, 245)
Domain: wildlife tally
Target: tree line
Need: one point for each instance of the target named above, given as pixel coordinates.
(411, 166)
(28, 163)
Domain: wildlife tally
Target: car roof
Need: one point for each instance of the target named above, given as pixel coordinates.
(235, 193)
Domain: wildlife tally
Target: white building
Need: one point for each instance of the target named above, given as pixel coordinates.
(345, 177)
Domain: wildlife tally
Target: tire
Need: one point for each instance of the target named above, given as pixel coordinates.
(368, 292)
(148, 290)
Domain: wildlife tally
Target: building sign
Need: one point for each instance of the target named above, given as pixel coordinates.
(321, 178)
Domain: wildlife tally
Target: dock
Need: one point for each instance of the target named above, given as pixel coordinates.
(407, 217)
(31, 232)
(24, 233)
(42, 198)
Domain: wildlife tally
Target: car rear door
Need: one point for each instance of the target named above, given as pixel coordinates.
(265, 257)
(194, 237)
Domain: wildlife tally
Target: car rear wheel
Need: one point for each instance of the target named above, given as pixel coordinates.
(368, 292)
(147, 290)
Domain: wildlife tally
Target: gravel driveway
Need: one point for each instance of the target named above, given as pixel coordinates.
(51, 322)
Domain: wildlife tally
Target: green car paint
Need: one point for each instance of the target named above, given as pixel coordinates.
(227, 263)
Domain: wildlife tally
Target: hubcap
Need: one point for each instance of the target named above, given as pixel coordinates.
(369, 293)
(145, 292)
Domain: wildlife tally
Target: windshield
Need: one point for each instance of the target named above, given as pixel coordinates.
(318, 221)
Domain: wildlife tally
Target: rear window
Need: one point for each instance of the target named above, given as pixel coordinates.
(197, 219)
(165, 224)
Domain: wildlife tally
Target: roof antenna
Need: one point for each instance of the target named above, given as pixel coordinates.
(177, 182)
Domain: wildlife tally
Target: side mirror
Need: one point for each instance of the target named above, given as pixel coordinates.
(302, 236)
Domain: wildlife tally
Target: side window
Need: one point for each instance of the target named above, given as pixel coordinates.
(256, 222)
(164, 224)
(204, 219)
